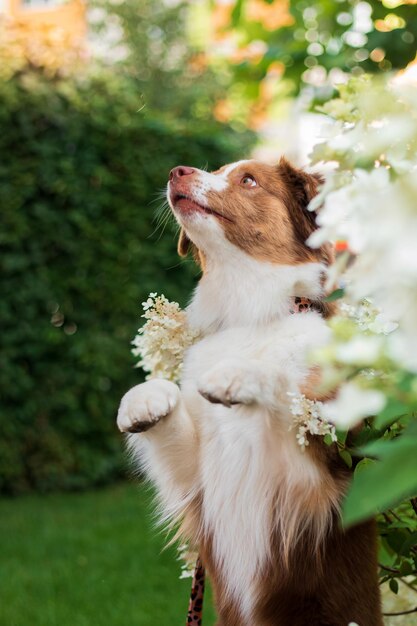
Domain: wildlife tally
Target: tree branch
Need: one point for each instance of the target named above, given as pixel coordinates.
(387, 517)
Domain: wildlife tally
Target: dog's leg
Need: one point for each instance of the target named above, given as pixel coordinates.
(162, 437)
(247, 379)
(236, 381)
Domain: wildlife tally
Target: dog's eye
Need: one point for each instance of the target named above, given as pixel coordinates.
(248, 181)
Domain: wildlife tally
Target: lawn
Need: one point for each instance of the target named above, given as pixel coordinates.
(88, 559)
(94, 559)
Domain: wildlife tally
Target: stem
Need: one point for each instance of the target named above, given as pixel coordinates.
(407, 584)
(389, 569)
(395, 515)
(401, 612)
(414, 504)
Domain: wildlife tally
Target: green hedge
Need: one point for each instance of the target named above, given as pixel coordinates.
(79, 168)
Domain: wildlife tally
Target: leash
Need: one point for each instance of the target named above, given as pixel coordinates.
(195, 606)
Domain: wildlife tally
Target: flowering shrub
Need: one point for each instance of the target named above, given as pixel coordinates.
(78, 238)
(369, 200)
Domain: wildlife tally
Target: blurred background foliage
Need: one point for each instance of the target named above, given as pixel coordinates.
(273, 49)
(148, 42)
(82, 163)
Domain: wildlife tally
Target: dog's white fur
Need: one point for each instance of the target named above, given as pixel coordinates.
(217, 182)
(252, 353)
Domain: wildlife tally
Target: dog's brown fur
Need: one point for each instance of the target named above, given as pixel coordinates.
(333, 588)
(333, 583)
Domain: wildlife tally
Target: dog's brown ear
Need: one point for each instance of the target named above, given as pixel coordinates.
(184, 244)
(300, 187)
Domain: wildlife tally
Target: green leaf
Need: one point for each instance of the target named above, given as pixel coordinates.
(363, 464)
(335, 295)
(237, 12)
(406, 568)
(383, 446)
(396, 539)
(409, 543)
(341, 435)
(346, 456)
(376, 448)
(386, 556)
(393, 409)
(383, 483)
(393, 585)
(407, 382)
(366, 436)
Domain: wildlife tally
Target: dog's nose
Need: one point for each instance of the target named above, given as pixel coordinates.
(181, 170)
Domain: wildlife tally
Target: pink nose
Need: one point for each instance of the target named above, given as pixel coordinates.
(181, 170)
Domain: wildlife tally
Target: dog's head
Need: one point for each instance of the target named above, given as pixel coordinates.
(261, 209)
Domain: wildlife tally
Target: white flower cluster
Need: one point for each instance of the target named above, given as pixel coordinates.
(352, 404)
(309, 418)
(370, 200)
(356, 353)
(366, 345)
(163, 339)
(368, 317)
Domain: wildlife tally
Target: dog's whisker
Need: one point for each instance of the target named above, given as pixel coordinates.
(162, 210)
(159, 195)
(162, 217)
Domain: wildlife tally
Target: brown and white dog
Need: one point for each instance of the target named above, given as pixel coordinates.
(263, 514)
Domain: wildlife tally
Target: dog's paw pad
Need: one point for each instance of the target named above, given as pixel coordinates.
(141, 426)
(220, 398)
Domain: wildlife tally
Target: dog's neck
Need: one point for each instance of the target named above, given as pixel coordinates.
(242, 291)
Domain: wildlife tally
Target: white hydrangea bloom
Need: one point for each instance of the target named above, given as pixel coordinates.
(362, 350)
(370, 201)
(367, 316)
(352, 404)
(308, 419)
(163, 339)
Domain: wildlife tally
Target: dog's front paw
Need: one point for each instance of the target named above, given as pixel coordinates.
(143, 406)
(231, 382)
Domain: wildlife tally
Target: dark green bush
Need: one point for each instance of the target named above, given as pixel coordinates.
(79, 168)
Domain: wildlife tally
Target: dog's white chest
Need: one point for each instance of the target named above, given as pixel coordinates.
(245, 453)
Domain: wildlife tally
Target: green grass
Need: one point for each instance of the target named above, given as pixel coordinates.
(88, 559)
